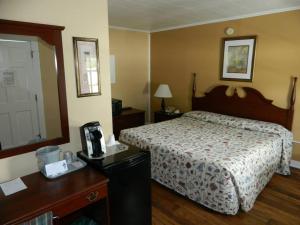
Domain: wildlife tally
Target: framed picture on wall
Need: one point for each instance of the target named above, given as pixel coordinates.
(238, 55)
(87, 67)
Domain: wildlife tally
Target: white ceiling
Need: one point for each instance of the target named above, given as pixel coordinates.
(155, 15)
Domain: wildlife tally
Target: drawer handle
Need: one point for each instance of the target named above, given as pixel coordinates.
(92, 196)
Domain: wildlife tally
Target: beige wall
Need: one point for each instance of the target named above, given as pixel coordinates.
(175, 54)
(131, 50)
(50, 90)
(83, 19)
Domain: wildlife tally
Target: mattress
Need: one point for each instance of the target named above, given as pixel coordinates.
(219, 161)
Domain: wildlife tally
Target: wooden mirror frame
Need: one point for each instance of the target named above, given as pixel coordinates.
(52, 35)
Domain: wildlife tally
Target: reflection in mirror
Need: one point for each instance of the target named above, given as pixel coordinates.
(29, 101)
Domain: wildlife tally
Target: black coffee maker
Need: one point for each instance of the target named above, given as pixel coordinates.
(92, 139)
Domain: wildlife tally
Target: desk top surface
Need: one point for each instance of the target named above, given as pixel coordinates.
(42, 194)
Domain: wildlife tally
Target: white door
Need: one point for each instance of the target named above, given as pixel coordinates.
(19, 123)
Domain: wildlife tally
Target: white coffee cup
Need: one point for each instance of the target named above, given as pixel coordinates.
(111, 140)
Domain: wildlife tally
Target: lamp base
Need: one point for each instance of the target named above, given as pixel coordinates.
(163, 105)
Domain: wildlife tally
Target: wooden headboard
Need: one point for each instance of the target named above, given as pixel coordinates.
(253, 106)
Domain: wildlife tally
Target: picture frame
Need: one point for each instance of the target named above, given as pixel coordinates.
(238, 55)
(87, 66)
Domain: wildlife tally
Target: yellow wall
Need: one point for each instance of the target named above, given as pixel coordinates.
(131, 50)
(50, 90)
(81, 18)
(175, 54)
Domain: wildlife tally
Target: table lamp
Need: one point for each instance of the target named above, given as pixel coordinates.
(163, 91)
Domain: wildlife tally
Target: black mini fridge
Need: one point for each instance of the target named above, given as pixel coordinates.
(129, 186)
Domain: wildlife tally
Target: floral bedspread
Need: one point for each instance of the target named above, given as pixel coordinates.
(219, 161)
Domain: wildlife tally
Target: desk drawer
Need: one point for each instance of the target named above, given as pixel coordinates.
(79, 201)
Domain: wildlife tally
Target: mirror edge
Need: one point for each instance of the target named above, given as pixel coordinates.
(52, 35)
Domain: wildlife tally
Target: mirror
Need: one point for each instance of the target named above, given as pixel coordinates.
(33, 110)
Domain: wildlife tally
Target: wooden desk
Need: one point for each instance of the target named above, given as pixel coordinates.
(62, 196)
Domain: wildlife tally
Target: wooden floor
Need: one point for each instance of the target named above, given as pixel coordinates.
(279, 203)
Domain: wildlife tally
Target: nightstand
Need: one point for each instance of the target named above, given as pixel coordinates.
(128, 118)
(160, 116)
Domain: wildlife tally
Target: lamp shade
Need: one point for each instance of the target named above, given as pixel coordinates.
(163, 91)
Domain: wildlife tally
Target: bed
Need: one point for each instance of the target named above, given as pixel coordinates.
(222, 153)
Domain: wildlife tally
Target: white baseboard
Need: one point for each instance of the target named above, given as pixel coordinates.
(295, 164)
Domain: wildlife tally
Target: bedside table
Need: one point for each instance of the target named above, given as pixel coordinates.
(128, 118)
(160, 116)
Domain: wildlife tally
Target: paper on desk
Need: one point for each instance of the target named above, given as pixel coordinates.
(59, 167)
(13, 186)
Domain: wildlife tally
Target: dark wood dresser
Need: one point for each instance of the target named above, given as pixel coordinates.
(63, 196)
(129, 118)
